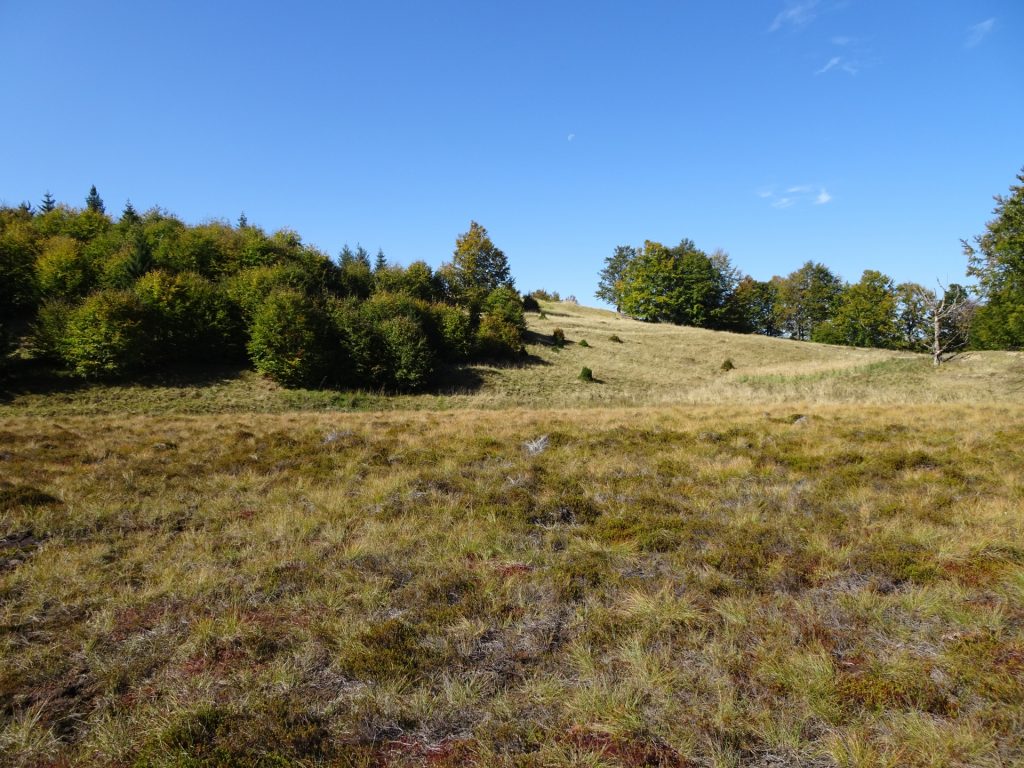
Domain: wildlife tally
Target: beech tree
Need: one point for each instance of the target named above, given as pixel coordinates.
(609, 280)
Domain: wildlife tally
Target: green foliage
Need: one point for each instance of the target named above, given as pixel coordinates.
(189, 318)
(50, 329)
(586, 374)
(106, 336)
(914, 306)
(583, 343)
(806, 298)
(558, 337)
(755, 307)
(248, 288)
(505, 304)
(63, 269)
(609, 286)
(530, 304)
(48, 204)
(497, 338)
(290, 340)
(410, 360)
(728, 364)
(94, 202)
(416, 280)
(996, 259)
(681, 285)
(477, 267)
(615, 338)
(454, 327)
(866, 315)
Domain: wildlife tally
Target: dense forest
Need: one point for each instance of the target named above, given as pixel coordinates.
(686, 286)
(102, 299)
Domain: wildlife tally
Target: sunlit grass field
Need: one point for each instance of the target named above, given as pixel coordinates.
(814, 559)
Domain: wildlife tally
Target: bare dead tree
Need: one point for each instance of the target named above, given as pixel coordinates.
(951, 322)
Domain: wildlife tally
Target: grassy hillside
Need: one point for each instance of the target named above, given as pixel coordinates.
(815, 559)
(650, 365)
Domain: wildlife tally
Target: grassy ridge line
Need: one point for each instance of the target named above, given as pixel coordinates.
(667, 586)
(650, 365)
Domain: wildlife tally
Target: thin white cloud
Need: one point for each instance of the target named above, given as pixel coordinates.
(978, 32)
(832, 63)
(571, 137)
(842, 40)
(795, 14)
(796, 194)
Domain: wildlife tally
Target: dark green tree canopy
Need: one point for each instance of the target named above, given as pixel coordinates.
(996, 259)
(48, 203)
(807, 298)
(866, 315)
(610, 278)
(94, 202)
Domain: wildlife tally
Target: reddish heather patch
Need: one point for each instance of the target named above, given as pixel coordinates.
(512, 569)
(219, 662)
(628, 752)
(246, 514)
(131, 621)
(447, 753)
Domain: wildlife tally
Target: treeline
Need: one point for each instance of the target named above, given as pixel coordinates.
(686, 286)
(104, 298)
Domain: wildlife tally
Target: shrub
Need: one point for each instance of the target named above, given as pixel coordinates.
(63, 270)
(586, 374)
(49, 332)
(530, 304)
(727, 364)
(496, 338)
(558, 337)
(543, 295)
(614, 337)
(505, 304)
(409, 356)
(291, 340)
(106, 336)
(454, 328)
(189, 317)
(362, 356)
(583, 343)
(249, 288)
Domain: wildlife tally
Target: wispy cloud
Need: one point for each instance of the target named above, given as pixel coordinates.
(978, 32)
(797, 13)
(795, 194)
(842, 40)
(832, 64)
(571, 137)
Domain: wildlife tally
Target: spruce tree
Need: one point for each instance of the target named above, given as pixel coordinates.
(94, 202)
(243, 222)
(381, 262)
(129, 215)
(48, 203)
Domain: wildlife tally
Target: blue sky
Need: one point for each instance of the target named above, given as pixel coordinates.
(859, 133)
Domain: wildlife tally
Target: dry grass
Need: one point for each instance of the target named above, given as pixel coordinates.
(816, 585)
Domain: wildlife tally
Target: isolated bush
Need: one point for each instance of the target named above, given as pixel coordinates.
(586, 374)
(558, 337)
(410, 358)
(543, 295)
(106, 336)
(615, 338)
(291, 340)
(583, 343)
(530, 304)
(189, 317)
(496, 338)
(727, 364)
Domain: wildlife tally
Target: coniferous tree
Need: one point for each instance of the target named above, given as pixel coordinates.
(243, 222)
(94, 202)
(48, 203)
(381, 262)
(129, 215)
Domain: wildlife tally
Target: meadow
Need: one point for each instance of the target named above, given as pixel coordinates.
(815, 558)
